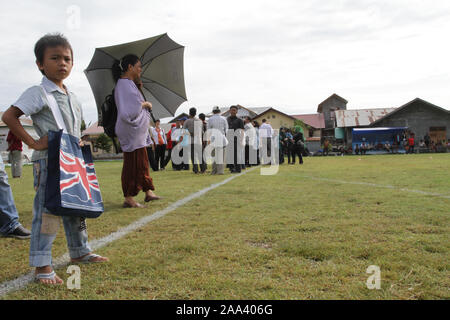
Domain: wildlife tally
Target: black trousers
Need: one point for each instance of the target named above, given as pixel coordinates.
(183, 165)
(247, 155)
(160, 151)
(197, 158)
(236, 166)
(297, 150)
(175, 166)
(151, 159)
(167, 159)
(268, 146)
(290, 152)
(282, 152)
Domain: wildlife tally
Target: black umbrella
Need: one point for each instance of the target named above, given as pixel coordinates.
(162, 72)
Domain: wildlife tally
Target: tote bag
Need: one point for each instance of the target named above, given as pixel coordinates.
(72, 188)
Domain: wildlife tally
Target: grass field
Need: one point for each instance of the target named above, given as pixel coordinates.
(308, 232)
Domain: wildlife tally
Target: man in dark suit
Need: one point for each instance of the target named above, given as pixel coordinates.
(235, 123)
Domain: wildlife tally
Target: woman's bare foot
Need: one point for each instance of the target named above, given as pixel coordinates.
(150, 195)
(55, 280)
(131, 203)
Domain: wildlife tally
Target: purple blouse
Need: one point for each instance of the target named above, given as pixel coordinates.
(132, 121)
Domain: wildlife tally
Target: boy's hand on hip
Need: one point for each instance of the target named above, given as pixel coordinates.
(41, 144)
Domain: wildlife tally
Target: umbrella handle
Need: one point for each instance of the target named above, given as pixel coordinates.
(151, 114)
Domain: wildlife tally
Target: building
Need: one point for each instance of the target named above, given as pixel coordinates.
(242, 112)
(28, 126)
(346, 120)
(315, 123)
(277, 119)
(90, 136)
(421, 117)
(327, 108)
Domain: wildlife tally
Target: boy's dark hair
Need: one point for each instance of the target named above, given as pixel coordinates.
(234, 107)
(121, 66)
(202, 116)
(192, 112)
(50, 40)
(264, 120)
(157, 120)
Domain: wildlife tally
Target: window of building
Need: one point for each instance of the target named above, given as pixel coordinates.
(332, 114)
(438, 134)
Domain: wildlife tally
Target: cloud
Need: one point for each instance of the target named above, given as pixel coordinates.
(288, 54)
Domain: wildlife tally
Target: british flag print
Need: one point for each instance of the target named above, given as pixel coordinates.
(78, 181)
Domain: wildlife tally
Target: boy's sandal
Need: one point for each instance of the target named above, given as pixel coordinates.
(88, 259)
(46, 276)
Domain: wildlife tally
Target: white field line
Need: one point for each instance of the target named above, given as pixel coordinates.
(445, 196)
(60, 262)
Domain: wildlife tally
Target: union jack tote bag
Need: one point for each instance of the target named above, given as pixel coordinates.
(72, 188)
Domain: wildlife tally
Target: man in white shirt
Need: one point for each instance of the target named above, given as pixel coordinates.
(195, 127)
(180, 140)
(151, 152)
(251, 144)
(265, 134)
(216, 135)
(160, 140)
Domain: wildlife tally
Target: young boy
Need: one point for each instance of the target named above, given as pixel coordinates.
(54, 58)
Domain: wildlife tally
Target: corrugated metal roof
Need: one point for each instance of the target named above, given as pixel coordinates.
(359, 118)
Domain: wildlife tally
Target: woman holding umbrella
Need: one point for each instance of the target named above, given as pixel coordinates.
(132, 125)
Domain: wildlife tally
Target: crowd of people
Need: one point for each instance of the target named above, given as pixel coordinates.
(234, 143)
(407, 141)
(402, 140)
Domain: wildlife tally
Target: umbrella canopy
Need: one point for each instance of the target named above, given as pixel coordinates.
(162, 72)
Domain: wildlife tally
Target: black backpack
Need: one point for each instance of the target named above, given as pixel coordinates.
(109, 118)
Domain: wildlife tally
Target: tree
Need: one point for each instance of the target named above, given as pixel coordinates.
(103, 142)
(83, 125)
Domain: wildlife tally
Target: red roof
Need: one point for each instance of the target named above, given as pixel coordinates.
(315, 120)
(93, 130)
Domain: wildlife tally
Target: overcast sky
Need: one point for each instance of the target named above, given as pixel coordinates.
(290, 55)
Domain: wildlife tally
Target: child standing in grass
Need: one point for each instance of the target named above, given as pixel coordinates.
(54, 58)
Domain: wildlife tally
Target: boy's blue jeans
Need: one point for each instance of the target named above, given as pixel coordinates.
(45, 225)
(9, 218)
